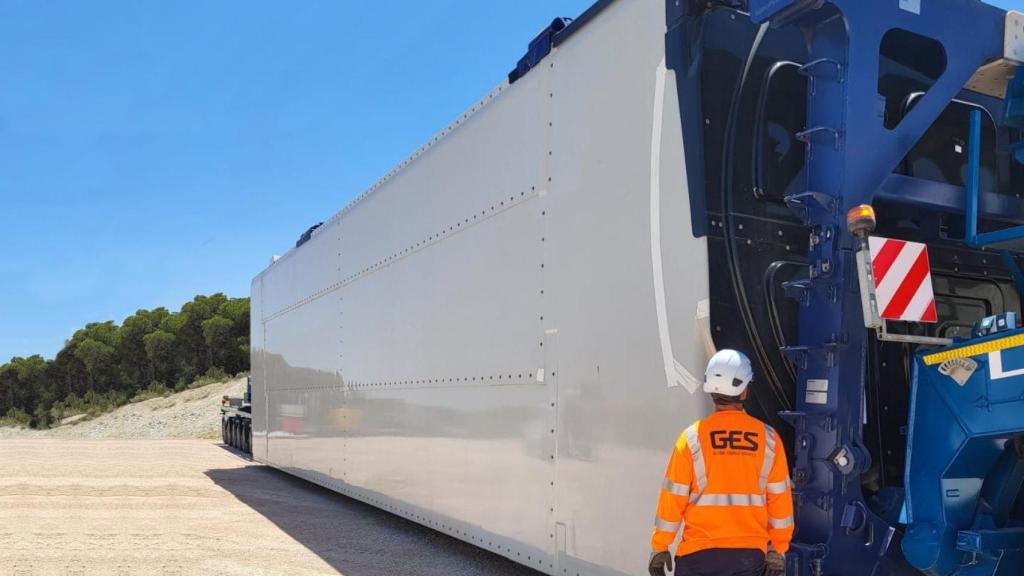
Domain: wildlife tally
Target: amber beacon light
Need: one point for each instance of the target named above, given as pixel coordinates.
(860, 220)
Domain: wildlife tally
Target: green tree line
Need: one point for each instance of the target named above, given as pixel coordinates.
(104, 365)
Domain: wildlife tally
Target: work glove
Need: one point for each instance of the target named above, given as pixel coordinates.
(774, 564)
(659, 562)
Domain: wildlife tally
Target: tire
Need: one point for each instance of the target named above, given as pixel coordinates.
(232, 434)
(247, 437)
(224, 430)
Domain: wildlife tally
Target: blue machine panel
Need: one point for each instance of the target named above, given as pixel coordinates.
(777, 10)
(965, 462)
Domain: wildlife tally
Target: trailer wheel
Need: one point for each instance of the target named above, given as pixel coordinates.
(234, 433)
(224, 430)
(247, 437)
(231, 432)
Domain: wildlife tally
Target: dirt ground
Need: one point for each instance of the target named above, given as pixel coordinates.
(177, 507)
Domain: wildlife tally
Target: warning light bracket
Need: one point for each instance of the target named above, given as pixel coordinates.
(883, 334)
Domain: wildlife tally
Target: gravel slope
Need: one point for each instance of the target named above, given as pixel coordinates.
(189, 414)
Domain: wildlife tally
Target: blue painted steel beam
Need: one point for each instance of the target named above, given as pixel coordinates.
(973, 176)
(779, 12)
(851, 168)
(971, 33)
(948, 198)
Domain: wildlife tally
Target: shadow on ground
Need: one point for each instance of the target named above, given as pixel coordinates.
(354, 538)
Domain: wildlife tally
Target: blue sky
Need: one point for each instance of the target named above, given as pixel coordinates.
(150, 151)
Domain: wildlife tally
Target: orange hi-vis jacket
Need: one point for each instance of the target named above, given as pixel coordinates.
(727, 486)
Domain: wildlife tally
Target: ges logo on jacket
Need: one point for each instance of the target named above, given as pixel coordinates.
(738, 440)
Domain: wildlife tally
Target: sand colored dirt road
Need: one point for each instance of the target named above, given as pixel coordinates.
(176, 507)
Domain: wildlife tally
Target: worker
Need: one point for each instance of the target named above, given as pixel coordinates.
(727, 488)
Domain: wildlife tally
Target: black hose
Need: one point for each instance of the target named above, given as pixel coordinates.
(728, 148)
(774, 320)
(760, 119)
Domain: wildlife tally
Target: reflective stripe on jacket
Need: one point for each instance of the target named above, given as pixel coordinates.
(727, 486)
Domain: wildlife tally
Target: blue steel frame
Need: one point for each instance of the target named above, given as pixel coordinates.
(973, 238)
(850, 157)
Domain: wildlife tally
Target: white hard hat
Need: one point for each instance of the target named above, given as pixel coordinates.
(728, 373)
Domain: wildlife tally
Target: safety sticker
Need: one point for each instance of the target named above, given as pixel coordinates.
(817, 391)
(959, 369)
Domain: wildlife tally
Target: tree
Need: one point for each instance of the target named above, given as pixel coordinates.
(34, 377)
(236, 310)
(8, 388)
(190, 335)
(160, 350)
(220, 341)
(68, 374)
(98, 359)
(136, 368)
(104, 364)
(24, 383)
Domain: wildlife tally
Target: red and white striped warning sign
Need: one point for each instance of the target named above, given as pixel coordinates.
(903, 280)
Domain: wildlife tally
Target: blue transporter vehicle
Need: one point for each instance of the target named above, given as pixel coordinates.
(900, 119)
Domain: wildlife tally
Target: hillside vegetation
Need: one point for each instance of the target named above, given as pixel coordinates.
(193, 413)
(105, 365)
